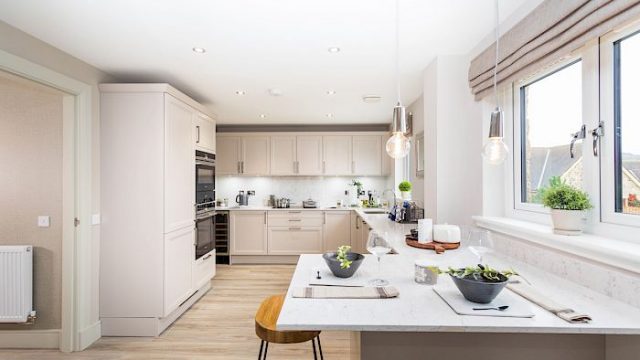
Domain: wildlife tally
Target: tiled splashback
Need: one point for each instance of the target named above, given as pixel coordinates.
(325, 190)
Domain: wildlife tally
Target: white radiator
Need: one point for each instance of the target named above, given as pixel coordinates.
(16, 283)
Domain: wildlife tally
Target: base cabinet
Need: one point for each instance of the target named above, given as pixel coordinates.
(204, 269)
(248, 233)
(337, 230)
(178, 263)
(295, 240)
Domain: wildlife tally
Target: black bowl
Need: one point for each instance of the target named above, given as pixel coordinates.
(479, 291)
(334, 264)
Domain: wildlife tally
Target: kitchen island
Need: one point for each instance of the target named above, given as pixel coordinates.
(419, 324)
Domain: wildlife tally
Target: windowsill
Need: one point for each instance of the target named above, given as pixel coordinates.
(611, 252)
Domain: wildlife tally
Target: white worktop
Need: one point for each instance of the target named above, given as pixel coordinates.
(294, 208)
(420, 309)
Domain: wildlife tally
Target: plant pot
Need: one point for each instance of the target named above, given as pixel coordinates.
(334, 264)
(567, 222)
(406, 195)
(479, 291)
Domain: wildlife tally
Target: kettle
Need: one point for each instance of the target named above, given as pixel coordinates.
(242, 199)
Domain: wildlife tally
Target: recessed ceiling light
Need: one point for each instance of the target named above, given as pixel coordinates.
(262, 116)
(199, 50)
(370, 99)
(329, 115)
(331, 92)
(334, 49)
(240, 92)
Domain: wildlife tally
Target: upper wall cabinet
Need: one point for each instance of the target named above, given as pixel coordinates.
(204, 132)
(308, 154)
(337, 155)
(367, 155)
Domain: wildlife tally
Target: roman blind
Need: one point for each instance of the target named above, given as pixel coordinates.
(551, 31)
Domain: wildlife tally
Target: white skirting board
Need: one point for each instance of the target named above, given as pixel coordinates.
(30, 339)
(89, 335)
(148, 326)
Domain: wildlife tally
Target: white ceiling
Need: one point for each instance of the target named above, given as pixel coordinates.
(255, 45)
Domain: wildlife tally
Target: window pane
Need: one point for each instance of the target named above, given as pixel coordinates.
(551, 111)
(627, 123)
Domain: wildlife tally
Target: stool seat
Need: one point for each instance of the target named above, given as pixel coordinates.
(266, 319)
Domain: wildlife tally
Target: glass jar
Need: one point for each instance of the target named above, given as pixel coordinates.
(426, 273)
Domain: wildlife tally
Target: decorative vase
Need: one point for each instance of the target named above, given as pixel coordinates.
(567, 222)
(406, 195)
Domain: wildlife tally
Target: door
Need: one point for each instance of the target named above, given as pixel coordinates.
(204, 132)
(336, 154)
(309, 155)
(248, 233)
(229, 155)
(283, 155)
(295, 240)
(179, 160)
(337, 230)
(179, 255)
(255, 155)
(367, 155)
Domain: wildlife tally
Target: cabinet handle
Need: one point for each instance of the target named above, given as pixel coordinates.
(198, 134)
(265, 218)
(295, 219)
(238, 167)
(357, 227)
(295, 212)
(324, 219)
(242, 167)
(297, 167)
(295, 228)
(206, 257)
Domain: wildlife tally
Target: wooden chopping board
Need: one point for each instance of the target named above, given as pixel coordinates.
(438, 247)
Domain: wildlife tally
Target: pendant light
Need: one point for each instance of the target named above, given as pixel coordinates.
(398, 145)
(495, 151)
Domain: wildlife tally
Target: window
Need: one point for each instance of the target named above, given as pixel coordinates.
(550, 112)
(627, 124)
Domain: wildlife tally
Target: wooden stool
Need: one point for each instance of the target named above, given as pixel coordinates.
(266, 319)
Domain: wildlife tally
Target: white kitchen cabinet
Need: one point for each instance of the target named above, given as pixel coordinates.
(204, 132)
(295, 240)
(336, 154)
(337, 230)
(359, 234)
(248, 233)
(367, 155)
(309, 155)
(255, 155)
(179, 257)
(283, 155)
(229, 155)
(179, 164)
(204, 269)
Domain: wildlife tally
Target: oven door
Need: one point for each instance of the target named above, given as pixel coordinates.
(205, 176)
(205, 234)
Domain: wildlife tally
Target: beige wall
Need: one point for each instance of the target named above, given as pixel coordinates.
(29, 48)
(31, 183)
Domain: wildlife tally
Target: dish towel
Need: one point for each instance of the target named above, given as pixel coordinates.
(563, 312)
(335, 292)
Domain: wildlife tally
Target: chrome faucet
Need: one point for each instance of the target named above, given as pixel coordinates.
(392, 203)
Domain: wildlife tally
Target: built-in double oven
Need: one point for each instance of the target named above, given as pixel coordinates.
(205, 202)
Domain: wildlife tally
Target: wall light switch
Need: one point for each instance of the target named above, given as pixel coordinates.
(95, 219)
(43, 221)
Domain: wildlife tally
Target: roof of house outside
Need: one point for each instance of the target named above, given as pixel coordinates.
(548, 162)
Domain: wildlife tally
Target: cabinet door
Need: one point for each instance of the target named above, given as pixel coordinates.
(366, 229)
(204, 269)
(367, 155)
(179, 186)
(337, 230)
(204, 132)
(228, 155)
(295, 240)
(336, 154)
(248, 233)
(179, 254)
(283, 155)
(255, 155)
(309, 155)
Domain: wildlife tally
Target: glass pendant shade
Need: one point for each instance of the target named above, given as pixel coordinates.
(398, 145)
(495, 151)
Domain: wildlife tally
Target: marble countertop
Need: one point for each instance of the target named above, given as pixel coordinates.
(296, 208)
(420, 309)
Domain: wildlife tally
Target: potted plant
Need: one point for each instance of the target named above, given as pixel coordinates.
(405, 190)
(343, 263)
(480, 284)
(567, 205)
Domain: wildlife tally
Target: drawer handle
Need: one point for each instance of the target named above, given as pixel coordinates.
(295, 219)
(295, 228)
(295, 212)
(206, 257)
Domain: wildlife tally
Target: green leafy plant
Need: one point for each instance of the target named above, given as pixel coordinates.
(356, 183)
(565, 197)
(404, 186)
(480, 273)
(341, 255)
(554, 182)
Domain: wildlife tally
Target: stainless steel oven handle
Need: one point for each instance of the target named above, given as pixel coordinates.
(206, 216)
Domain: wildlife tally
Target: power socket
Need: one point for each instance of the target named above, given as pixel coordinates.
(44, 221)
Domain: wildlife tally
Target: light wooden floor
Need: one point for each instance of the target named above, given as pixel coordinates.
(219, 326)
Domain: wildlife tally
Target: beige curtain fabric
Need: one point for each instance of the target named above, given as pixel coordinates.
(551, 31)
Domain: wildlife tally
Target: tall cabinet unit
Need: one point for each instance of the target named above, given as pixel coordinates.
(149, 133)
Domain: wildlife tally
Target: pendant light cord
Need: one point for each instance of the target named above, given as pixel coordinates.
(398, 50)
(495, 68)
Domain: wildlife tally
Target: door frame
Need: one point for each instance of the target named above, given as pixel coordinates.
(77, 245)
